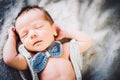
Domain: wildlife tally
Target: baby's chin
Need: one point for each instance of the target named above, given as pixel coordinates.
(34, 51)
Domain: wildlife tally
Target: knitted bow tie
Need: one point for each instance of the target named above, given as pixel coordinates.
(39, 61)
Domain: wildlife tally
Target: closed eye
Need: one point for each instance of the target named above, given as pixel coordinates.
(38, 26)
(24, 35)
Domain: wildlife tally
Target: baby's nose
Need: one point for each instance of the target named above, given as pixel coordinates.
(33, 34)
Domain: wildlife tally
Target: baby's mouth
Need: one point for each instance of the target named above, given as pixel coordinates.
(37, 42)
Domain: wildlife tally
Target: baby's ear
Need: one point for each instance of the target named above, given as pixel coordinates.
(54, 26)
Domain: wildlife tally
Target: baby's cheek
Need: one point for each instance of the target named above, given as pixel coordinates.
(27, 44)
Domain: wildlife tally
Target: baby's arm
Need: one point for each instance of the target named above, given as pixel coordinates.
(84, 40)
(10, 54)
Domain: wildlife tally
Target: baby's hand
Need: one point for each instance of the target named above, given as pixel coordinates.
(61, 34)
(12, 33)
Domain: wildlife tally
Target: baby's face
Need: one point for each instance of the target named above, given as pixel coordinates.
(34, 31)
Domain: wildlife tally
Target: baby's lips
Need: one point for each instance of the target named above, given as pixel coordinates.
(34, 43)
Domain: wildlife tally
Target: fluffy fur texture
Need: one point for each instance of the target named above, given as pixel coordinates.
(99, 18)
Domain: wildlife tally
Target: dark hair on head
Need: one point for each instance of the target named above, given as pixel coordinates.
(28, 8)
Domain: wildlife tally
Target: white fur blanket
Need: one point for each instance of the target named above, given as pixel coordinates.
(99, 18)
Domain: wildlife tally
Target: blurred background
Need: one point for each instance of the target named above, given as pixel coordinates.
(99, 18)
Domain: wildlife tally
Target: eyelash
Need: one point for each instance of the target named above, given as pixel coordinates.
(37, 27)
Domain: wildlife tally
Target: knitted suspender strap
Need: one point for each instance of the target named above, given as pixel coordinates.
(76, 58)
(28, 57)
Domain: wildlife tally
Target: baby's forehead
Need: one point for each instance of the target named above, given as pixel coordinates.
(34, 10)
(30, 14)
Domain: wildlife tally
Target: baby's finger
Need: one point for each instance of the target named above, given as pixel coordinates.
(11, 31)
(13, 28)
